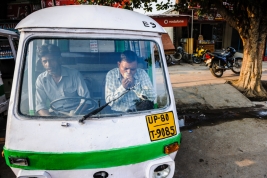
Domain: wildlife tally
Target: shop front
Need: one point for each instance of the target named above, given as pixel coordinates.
(173, 21)
(208, 30)
(209, 34)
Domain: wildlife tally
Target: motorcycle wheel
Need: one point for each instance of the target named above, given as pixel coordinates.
(178, 56)
(168, 59)
(237, 65)
(174, 59)
(216, 72)
(196, 60)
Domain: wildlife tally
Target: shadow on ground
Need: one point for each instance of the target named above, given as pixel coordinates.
(193, 118)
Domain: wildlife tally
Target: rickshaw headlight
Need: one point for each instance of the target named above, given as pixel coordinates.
(162, 171)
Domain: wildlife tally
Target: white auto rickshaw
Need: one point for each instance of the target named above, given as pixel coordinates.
(100, 142)
(8, 50)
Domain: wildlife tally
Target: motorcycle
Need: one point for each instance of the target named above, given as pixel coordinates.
(199, 56)
(180, 54)
(220, 62)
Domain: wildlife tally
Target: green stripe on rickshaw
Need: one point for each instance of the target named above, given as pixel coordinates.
(91, 160)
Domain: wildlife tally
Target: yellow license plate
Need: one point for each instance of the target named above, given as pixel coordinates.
(161, 125)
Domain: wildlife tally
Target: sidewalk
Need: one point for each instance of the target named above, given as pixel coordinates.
(195, 87)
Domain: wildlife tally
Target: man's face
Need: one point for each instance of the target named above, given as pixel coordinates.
(51, 64)
(128, 68)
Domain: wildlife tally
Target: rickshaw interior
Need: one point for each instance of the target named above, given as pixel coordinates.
(93, 58)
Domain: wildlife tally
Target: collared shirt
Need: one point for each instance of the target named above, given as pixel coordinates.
(114, 88)
(71, 84)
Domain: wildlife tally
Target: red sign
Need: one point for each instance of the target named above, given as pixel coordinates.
(171, 21)
(50, 3)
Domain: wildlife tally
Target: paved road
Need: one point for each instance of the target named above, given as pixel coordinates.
(231, 149)
(186, 75)
(236, 149)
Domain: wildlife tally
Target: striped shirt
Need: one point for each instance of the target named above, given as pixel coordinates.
(114, 88)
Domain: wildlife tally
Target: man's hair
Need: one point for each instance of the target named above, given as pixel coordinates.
(49, 49)
(128, 56)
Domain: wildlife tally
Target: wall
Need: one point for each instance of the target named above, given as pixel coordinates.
(170, 32)
(227, 36)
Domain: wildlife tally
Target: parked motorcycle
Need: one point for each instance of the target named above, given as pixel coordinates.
(199, 56)
(180, 54)
(220, 62)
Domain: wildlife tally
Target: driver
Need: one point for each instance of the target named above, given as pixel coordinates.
(128, 76)
(57, 82)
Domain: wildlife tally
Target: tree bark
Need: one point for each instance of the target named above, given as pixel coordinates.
(252, 31)
(249, 82)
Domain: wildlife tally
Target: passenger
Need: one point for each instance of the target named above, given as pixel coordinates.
(128, 77)
(57, 82)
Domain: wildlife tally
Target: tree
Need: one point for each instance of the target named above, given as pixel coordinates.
(126, 4)
(248, 17)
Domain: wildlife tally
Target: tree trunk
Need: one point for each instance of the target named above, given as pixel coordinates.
(249, 82)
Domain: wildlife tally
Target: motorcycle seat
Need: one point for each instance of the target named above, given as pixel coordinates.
(219, 55)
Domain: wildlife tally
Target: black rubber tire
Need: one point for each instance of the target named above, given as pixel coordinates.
(196, 60)
(216, 72)
(237, 65)
(185, 58)
(178, 56)
(168, 59)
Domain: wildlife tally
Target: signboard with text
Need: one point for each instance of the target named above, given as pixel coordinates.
(172, 21)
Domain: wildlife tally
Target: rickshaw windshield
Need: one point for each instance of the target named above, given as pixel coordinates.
(72, 77)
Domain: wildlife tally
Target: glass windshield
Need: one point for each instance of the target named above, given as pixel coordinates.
(73, 77)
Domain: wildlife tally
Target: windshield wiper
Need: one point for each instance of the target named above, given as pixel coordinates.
(97, 110)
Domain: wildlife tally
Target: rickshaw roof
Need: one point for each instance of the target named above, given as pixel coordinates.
(4, 32)
(90, 17)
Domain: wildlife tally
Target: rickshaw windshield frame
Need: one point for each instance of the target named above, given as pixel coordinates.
(87, 62)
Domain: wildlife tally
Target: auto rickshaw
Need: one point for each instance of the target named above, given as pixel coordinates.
(101, 142)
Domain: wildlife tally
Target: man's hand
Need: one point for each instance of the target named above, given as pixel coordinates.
(127, 81)
(44, 112)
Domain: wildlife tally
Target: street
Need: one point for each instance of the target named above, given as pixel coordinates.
(186, 75)
(232, 143)
(234, 147)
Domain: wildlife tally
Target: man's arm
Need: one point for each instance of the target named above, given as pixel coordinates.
(40, 99)
(143, 86)
(44, 112)
(113, 88)
(82, 89)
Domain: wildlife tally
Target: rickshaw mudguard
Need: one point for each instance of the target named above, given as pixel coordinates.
(93, 159)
